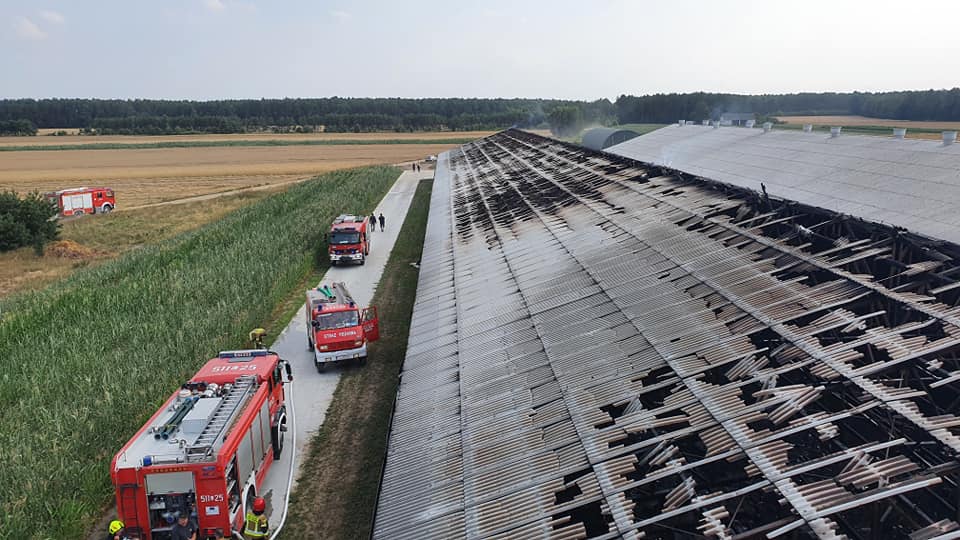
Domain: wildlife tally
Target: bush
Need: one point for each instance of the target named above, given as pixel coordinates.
(29, 221)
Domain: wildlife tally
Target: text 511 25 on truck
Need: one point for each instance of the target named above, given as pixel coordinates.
(337, 329)
(349, 239)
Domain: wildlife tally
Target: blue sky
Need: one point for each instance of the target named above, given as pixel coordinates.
(209, 49)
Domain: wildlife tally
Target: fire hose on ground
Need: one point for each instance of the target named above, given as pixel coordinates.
(293, 461)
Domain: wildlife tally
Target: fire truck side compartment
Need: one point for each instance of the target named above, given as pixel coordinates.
(245, 456)
(171, 482)
(265, 429)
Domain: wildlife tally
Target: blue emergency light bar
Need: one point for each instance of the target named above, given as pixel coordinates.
(243, 354)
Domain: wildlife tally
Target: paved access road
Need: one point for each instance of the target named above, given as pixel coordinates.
(313, 391)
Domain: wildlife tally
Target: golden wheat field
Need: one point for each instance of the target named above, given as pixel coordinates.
(866, 121)
(151, 175)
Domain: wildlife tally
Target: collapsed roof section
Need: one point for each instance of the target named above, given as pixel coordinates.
(602, 348)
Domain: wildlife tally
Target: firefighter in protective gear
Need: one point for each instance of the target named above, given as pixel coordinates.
(115, 530)
(256, 337)
(256, 526)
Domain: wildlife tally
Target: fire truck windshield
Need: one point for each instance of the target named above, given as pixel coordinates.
(336, 319)
(344, 237)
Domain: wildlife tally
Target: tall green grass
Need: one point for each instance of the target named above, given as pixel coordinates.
(241, 142)
(85, 362)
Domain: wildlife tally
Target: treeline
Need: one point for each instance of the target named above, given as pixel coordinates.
(17, 127)
(142, 116)
(913, 105)
(156, 117)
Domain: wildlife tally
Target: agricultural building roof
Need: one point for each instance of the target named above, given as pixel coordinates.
(908, 183)
(600, 138)
(603, 348)
(737, 116)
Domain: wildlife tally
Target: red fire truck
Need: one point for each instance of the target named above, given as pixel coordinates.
(337, 329)
(349, 240)
(84, 200)
(207, 450)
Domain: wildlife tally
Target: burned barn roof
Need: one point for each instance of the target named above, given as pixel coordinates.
(908, 183)
(602, 348)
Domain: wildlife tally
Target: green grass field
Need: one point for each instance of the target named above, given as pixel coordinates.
(86, 361)
(203, 144)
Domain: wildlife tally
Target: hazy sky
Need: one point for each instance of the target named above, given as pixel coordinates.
(208, 49)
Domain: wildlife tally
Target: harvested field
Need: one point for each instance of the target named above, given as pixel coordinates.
(867, 121)
(147, 176)
(153, 139)
(50, 131)
(87, 242)
(863, 125)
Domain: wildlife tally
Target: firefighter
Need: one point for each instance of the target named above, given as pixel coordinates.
(373, 222)
(183, 529)
(382, 221)
(256, 337)
(115, 530)
(255, 527)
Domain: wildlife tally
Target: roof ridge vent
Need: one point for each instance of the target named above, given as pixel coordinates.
(835, 131)
(705, 122)
(767, 126)
(681, 122)
(807, 128)
(751, 123)
(949, 137)
(899, 133)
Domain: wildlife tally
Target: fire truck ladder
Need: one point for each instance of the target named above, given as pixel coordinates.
(220, 420)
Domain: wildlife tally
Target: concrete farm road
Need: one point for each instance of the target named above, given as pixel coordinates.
(313, 391)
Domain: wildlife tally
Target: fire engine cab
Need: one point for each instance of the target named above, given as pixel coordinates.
(349, 239)
(84, 200)
(337, 329)
(207, 450)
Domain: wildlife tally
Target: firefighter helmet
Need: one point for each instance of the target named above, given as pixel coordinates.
(259, 505)
(115, 526)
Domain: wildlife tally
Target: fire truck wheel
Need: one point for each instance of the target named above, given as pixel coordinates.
(321, 367)
(277, 432)
(309, 344)
(105, 209)
(363, 260)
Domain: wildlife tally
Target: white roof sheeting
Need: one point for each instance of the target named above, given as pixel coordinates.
(914, 184)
